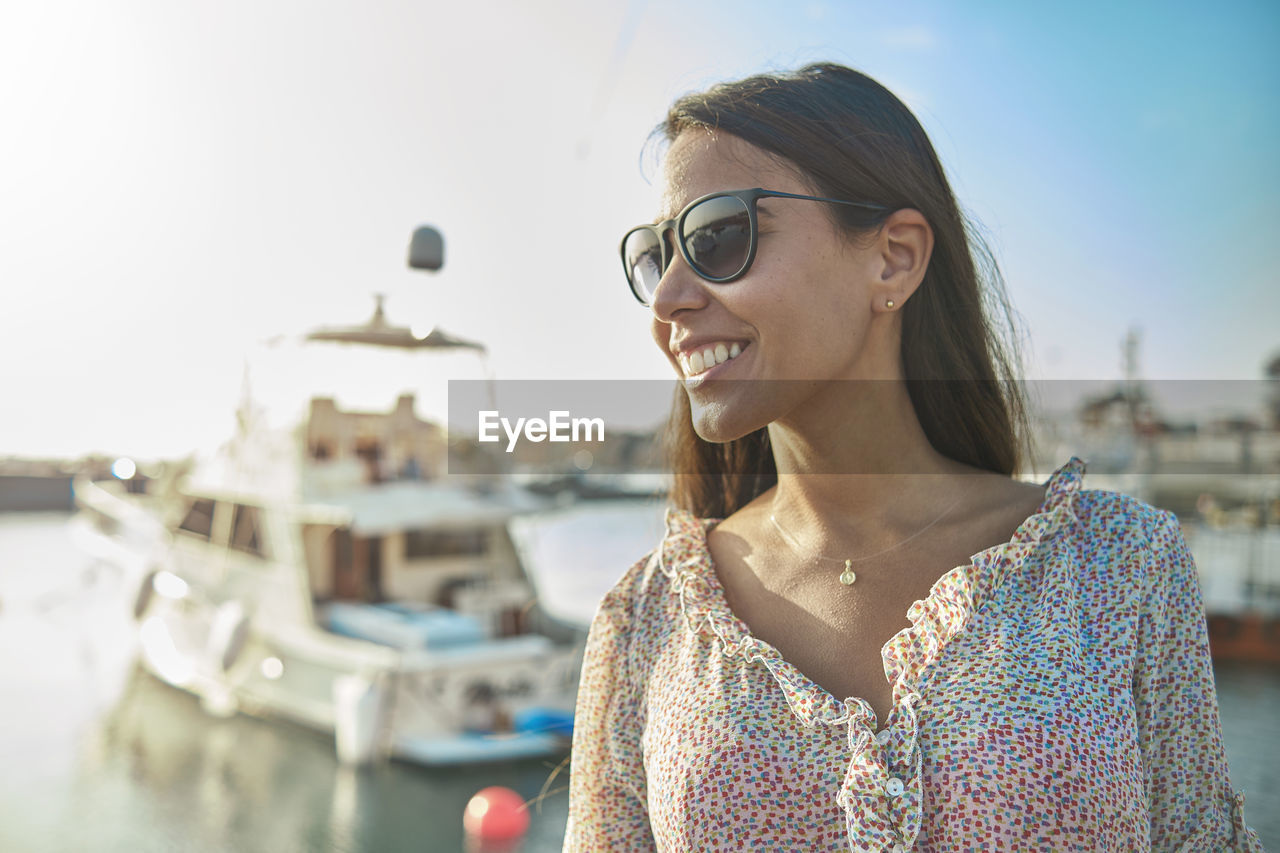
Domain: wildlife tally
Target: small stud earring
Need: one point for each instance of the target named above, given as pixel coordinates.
(888, 303)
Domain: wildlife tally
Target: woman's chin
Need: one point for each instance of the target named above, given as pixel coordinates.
(719, 421)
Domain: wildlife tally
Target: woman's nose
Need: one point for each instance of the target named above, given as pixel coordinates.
(678, 289)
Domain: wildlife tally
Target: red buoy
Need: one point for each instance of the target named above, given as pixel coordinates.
(496, 814)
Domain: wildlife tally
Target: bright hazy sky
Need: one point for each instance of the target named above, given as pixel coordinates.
(182, 182)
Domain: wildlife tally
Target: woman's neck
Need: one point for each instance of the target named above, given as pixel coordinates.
(858, 451)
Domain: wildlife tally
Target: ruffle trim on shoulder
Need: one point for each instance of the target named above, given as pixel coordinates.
(684, 558)
(962, 591)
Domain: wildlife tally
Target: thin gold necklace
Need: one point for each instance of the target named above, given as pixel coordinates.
(847, 577)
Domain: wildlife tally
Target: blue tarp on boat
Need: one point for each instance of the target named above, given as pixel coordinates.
(404, 626)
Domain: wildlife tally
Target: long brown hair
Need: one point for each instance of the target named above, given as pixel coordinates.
(853, 139)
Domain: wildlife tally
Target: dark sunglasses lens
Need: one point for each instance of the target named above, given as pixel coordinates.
(642, 255)
(717, 236)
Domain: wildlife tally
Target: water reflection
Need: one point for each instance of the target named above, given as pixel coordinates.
(248, 784)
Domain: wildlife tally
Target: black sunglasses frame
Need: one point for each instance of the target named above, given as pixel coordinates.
(676, 225)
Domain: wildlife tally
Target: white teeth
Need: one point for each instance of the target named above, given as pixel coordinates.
(697, 362)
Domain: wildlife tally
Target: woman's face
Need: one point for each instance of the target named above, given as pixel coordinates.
(798, 319)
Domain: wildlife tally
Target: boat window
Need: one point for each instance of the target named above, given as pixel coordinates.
(426, 544)
(245, 530)
(199, 518)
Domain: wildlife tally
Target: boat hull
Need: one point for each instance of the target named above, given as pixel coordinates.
(1247, 637)
(376, 702)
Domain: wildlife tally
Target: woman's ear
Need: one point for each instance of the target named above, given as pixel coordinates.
(904, 245)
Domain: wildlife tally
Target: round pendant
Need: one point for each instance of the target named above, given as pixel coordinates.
(847, 577)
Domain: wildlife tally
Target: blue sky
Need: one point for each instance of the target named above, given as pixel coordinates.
(185, 182)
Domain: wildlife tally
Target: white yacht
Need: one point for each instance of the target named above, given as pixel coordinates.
(335, 575)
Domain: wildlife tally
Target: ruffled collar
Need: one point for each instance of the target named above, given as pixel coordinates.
(686, 560)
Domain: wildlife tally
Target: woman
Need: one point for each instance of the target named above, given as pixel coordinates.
(859, 631)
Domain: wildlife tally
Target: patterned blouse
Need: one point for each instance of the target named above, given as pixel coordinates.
(1055, 693)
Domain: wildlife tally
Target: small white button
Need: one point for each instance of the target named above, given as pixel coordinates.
(893, 787)
(882, 737)
(897, 848)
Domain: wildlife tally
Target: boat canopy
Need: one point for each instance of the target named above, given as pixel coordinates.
(378, 332)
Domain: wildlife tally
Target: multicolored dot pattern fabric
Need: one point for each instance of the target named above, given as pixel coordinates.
(1055, 694)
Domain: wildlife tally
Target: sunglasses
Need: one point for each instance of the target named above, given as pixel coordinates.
(716, 235)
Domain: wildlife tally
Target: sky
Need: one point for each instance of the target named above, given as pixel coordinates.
(184, 186)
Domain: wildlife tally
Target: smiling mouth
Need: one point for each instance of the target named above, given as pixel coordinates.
(696, 364)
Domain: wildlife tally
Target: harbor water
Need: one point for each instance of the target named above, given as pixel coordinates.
(96, 755)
